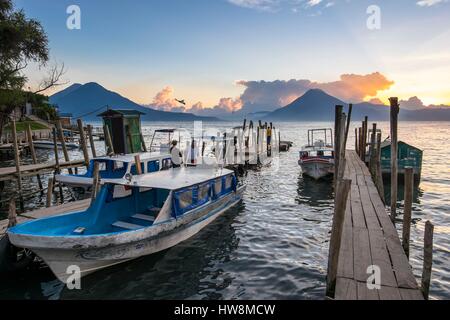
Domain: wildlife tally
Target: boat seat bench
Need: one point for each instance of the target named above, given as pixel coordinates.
(126, 225)
(143, 217)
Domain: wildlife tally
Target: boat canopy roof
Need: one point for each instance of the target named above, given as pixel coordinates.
(173, 179)
(166, 130)
(144, 156)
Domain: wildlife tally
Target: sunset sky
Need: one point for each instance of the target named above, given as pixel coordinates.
(213, 52)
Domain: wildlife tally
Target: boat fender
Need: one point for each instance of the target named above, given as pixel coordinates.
(9, 258)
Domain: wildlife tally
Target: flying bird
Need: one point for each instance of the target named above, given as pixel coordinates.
(181, 101)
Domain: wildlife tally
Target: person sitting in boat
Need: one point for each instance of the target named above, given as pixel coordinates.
(177, 157)
(192, 154)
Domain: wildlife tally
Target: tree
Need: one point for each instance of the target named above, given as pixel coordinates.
(22, 41)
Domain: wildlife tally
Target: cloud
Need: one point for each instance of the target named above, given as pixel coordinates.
(429, 3)
(165, 101)
(414, 103)
(275, 5)
(270, 95)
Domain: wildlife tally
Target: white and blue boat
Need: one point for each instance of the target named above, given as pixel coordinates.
(116, 167)
(131, 218)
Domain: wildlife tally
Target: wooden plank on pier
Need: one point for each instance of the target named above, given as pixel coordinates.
(369, 238)
(8, 173)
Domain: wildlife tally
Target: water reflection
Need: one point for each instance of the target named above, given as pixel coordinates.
(314, 193)
(188, 270)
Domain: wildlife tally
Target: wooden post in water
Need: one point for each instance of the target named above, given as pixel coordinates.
(17, 161)
(372, 159)
(83, 142)
(336, 234)
(427, 259)
(137, 161)
(63, 143)
(91, 141)
(337, 140)
(379, 173)
(347, 127)
(108, 141)
(364, 139)
(407, 211)
(57, 166)
(33, 152)
(95, 181)
(144, 147)
(48, 203)
(395, 108)
(12, 214)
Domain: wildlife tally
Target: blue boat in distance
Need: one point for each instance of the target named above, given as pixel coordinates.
(116, 167)
(130, 218)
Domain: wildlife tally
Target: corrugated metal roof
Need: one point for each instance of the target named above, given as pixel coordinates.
(387, 143)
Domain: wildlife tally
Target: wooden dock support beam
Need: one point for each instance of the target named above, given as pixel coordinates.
(83, 142)
(91, 141)
(108, 141)
(395, 108)
(336, 234)
(17, 161)
(338, 114)
(407, 210)
(427, 259)
(48, 203)
(33, 153)
(379, 175)
(12, 214)
(95, 181)
(63, 143)
(137, 161)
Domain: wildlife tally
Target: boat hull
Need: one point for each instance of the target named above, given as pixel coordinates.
(317, 169)
(103, 253)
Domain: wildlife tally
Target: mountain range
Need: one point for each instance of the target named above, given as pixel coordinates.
(317, 105)
(88, 100)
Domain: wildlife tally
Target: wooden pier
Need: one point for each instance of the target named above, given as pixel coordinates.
(9, 173)
(369, 238)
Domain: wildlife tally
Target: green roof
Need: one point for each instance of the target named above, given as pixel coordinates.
(123, 112)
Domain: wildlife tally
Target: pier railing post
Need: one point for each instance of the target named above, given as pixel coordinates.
(108, 141)
(33, 152)
(395, 108)
(12, 214)
(83, 142)
(137, 163)
(356, 141)
(337, 141)
(379, 173)
(427, 259)
(407, 210)
(336, 234)
(48, 203)
(347, 127)
(17, 162)
(63, 143)
(95, 181)
(91, 141)
(372, 159)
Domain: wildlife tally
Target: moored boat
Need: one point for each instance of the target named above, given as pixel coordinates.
(131, 218)
(317, 157)
(115, 167)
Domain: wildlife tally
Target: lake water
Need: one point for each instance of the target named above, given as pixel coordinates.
(274, 245)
